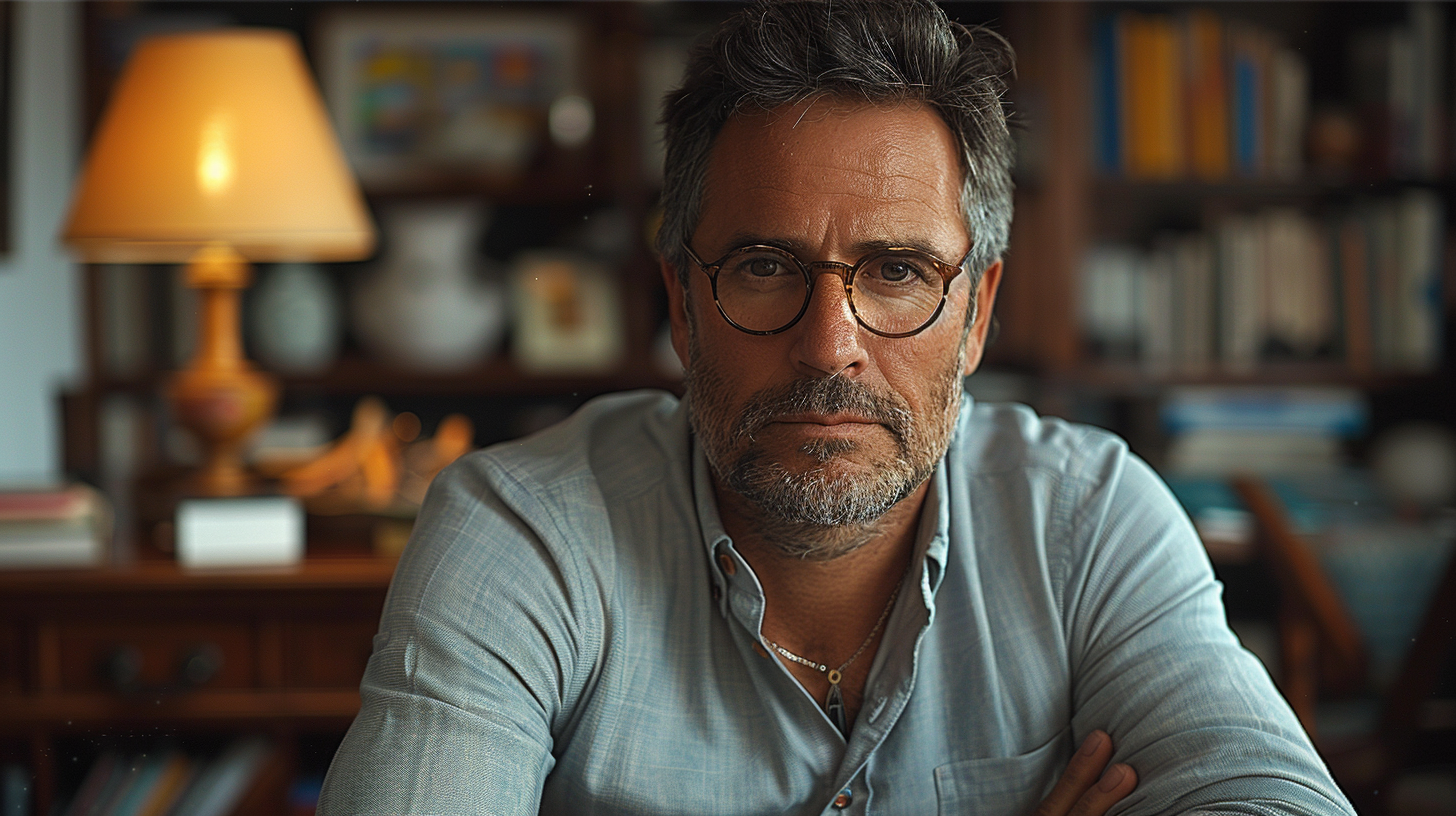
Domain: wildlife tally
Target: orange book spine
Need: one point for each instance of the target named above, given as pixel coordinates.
(1152, 87)
(1207, 96)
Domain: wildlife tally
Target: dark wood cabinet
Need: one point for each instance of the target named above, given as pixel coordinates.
(154, 648)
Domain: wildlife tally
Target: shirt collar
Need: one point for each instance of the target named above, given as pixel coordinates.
(707, 503)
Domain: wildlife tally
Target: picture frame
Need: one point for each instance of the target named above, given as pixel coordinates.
(7, 139)
(422, 98)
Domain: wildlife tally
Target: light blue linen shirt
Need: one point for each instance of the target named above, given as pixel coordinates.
(561, 638)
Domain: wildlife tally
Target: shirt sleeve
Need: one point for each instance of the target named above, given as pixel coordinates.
(1155, 664)
(476, 658)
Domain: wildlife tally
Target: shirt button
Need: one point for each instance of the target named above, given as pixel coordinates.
(725, 562)
(843, 799)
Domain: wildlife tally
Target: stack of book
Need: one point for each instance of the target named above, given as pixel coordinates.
(1360, 287)
(169, 782)
(1221, 431)
(1289, 436)
(61, 527)
(1194, 96)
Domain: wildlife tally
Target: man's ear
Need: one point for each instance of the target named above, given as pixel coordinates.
(985, 304)
(677, 315)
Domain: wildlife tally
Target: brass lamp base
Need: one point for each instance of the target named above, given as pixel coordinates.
(220, 397)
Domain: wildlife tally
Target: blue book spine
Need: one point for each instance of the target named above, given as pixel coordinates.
(1248, 113)
(1107, 96)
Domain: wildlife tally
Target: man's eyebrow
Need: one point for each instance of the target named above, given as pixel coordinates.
(865, 247)
(742, 239)
(859, 249)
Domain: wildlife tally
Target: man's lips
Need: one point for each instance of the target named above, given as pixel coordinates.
(826, 420)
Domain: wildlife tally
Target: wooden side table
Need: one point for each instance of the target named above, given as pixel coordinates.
(152, 645)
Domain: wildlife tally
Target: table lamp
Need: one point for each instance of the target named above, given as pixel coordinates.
(215, 151)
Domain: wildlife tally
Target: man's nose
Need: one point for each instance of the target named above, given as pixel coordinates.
(829, 340)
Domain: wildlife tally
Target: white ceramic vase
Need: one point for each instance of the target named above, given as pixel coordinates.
(429, 303)
(296, 326)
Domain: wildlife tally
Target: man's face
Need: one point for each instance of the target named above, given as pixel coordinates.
(827, 423)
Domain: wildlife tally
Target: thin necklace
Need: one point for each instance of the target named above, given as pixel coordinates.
(834, 701)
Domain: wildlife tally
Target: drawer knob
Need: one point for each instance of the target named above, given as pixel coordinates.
(199, 664)
(121, 668)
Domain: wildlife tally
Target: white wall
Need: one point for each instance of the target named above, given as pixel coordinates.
(40, 302)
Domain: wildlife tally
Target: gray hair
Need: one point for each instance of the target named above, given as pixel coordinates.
(775, 53)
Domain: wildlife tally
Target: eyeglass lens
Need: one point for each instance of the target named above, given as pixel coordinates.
(764, 289)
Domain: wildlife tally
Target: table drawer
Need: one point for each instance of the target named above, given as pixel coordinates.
(141, 657)
(10, 670)
(328, 654)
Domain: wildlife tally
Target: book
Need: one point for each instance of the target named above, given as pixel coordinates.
(1207, 95)
(146, 775)
(1318, 411)
(99, 777)
(1415, 344)
(176, 773)
(1107, 94)
(222, 783)
(1247, 69)
(1151, 86)
(1195, 299)
(1155, 326)
(1355, 295)
(1241, 292)
(60, 527)
(15, 790)
(1287, 116)
(52, 504)
(1109, 301)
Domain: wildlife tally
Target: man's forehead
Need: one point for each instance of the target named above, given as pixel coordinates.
(894, 167)
(823, 129)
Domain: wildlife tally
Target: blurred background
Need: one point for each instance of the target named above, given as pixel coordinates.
(1232, 246)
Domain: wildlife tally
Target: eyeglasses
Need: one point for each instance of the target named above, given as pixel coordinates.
(893, 292)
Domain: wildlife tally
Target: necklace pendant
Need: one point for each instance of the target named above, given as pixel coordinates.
(834, 707)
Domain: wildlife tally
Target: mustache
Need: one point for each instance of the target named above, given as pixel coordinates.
(826, 395)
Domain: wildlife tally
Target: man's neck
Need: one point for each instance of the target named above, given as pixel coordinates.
(824, 606)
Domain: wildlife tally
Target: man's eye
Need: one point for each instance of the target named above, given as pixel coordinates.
(899, 270)
(896, 271)
(764, 267)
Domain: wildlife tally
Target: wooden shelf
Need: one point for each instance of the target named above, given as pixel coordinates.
(1254, 190)
(497, 377)
(163, 577)
(80, 711)
(555, 188)
(1112, 377)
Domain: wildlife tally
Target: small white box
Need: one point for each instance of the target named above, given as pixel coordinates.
(244, 532)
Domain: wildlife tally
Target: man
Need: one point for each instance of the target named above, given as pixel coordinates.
(825, 582)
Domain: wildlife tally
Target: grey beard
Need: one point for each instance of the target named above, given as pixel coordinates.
(814, 514)
(816, 498)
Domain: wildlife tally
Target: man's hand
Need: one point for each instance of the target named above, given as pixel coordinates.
(1085, 789)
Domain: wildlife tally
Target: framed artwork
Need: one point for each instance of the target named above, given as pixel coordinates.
(7, 86)
(437, 94)
(567, 315)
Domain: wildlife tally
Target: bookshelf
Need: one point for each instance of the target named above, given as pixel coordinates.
(1122, 178)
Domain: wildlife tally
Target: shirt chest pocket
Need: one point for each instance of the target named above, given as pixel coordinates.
(1002, 786)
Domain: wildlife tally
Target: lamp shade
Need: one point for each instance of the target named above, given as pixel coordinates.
(217, 138)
